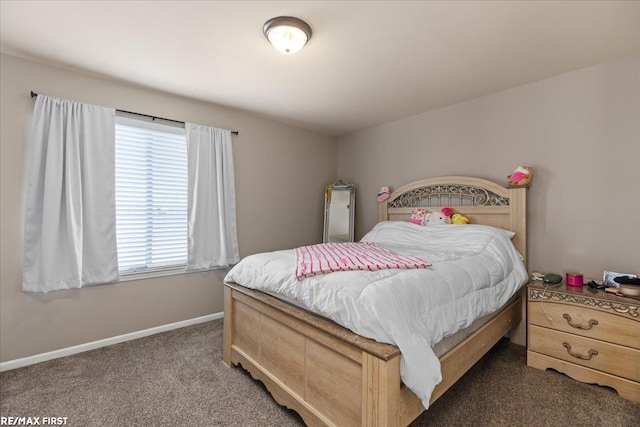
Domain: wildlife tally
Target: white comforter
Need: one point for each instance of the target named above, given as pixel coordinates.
(476, 269)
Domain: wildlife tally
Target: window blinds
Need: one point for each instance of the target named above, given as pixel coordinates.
(151, 196)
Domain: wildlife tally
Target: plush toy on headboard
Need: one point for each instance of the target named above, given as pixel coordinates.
(445, 216)
(383, 194)
(442, 217)
(417, 216)
(459, 219)
(521, 177)
(436, 218)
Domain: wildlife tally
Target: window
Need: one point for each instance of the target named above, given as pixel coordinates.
(151, 196)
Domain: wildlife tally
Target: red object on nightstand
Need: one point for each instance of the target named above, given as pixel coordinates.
(574, 279)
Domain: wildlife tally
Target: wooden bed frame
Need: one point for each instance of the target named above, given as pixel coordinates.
(331, 376)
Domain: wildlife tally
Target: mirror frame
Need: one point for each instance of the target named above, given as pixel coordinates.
(340, 186)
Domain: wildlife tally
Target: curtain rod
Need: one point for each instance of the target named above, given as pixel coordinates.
(235, 132)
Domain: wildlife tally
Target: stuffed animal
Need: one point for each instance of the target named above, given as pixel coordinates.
(521, 177)
(417, 216)
(459, 219)
(436, 218)
(383, 194)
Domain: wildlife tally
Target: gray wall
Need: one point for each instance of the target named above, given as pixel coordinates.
(581, 133)
(281, 173)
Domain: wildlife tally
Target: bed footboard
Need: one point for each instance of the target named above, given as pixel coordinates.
(329, 375)
(326, 380)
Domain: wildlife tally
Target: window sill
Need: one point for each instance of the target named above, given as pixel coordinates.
(127, 277)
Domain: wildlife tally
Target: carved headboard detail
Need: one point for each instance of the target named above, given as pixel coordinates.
(482, 201)
(449, 195)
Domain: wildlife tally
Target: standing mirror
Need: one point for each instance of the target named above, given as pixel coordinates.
(339, 212)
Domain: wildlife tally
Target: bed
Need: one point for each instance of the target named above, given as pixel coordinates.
(332, 376)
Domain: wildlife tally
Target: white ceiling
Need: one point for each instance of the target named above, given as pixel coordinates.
(368, 62)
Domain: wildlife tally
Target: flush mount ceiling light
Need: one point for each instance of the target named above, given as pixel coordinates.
(286, 33)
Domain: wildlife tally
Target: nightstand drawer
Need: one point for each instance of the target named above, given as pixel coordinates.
(606, 357)
(586, 322)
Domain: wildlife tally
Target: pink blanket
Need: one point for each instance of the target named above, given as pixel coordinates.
(330, 257)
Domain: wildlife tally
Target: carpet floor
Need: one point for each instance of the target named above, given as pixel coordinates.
(177, 378)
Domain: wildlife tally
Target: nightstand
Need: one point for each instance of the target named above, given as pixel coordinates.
(591, 336)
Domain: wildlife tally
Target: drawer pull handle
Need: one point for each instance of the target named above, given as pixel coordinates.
(592, 323)
(577, 355)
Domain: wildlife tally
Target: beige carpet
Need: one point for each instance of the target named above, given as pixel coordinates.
(177, 379)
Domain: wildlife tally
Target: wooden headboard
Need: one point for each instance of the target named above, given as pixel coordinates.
(482, 201)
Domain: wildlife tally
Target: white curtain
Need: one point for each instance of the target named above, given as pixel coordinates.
(70, 233)
(212, 231)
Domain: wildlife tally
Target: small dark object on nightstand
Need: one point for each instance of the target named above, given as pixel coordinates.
(627, 280)
(595, 285)
(552, 279)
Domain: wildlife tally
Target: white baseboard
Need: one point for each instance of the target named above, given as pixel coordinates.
(30, 360)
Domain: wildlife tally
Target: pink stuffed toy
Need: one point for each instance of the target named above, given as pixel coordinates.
(417, 216)
(383, 194)
(521, 177)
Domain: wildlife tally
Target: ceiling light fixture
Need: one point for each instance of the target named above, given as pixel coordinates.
(286, 33)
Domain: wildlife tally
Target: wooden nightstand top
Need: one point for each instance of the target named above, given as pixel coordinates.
(585, 296)
(584, 291)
